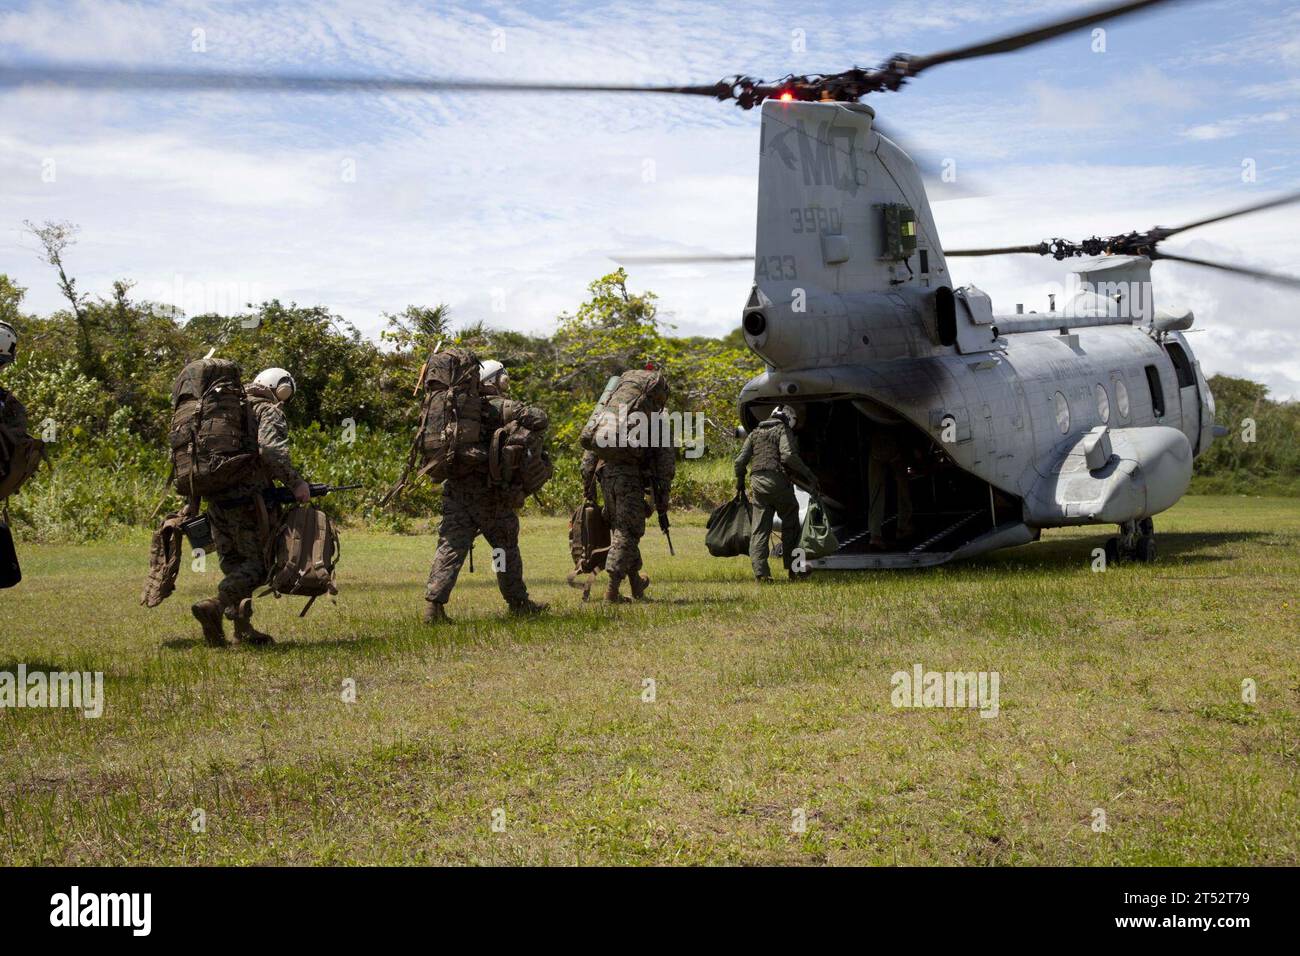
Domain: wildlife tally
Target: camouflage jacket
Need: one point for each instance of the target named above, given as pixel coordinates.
(656, 472)
(272, 435)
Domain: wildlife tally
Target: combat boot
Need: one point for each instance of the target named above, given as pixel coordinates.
(208, 614)
(527, 608)
(611, 590)
(435, 613)
(638, 582)
(245, 633)
(800, 575)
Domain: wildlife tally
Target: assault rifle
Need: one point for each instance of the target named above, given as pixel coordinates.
(280, 495)
(199, 530)
(663, 526)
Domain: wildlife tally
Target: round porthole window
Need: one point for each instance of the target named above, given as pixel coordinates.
(1121, 398)
(1103, 404)
(1062, 413)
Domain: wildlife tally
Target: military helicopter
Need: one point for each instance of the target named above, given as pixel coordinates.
(1010, 423)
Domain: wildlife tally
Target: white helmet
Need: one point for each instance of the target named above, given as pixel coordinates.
(492, 372)
(787, 414)
(8, 344)
(279, 381)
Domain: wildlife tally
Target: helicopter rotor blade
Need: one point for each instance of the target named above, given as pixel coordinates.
(1291, 281)
(1257, 207)
(937, 187)
(1002, 251)
(673, 259)
(747, 92)
(1017, 41)
(108, 78)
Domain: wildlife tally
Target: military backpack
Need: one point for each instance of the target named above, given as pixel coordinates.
(213, 442)
(304, 552)
(516, 454)
(20, 455)
(621, 429)
(450, 436)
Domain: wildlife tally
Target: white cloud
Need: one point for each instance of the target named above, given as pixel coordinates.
(518, 201)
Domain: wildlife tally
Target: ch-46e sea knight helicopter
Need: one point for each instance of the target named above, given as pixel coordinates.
(1087, 414)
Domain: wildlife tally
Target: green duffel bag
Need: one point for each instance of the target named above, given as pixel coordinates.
(727, 533)
(816, 538)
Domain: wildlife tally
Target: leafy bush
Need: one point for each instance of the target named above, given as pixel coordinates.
(98, 375)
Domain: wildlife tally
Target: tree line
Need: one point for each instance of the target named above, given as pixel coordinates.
(96, 377)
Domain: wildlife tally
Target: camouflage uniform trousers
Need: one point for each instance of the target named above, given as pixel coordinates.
(773, 494)
(471, 507)
(237, 533)
(623, 486)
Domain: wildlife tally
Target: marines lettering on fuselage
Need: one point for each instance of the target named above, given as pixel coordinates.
(826, 159)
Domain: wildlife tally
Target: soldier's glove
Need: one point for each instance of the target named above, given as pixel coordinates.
(740, 486)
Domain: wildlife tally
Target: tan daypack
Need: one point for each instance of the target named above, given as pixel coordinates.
(517, 457)
(609, 434)
(304, 551)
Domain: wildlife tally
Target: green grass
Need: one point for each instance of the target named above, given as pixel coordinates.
(1119, 691)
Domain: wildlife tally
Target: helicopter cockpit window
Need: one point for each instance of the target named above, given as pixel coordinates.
(1157, 392)
(1186, 377)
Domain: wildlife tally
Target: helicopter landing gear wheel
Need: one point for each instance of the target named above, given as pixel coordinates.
(1135, 542)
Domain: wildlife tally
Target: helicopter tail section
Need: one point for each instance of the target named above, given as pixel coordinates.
(847, 257)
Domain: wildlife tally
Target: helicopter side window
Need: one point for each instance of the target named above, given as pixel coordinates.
(1182, 366)
(1103, 404)
(1157, 392)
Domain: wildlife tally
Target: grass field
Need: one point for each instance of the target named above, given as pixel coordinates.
(1119, 691)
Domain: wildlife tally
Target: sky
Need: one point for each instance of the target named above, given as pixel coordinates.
(506, 206)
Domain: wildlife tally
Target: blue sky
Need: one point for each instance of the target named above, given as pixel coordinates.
(506, 207)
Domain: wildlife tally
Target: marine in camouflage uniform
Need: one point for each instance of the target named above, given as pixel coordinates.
(474, 505)
(624, 486)
(771, 453)
(242, 522)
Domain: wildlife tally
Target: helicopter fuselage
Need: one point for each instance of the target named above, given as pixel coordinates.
(1007, 424)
